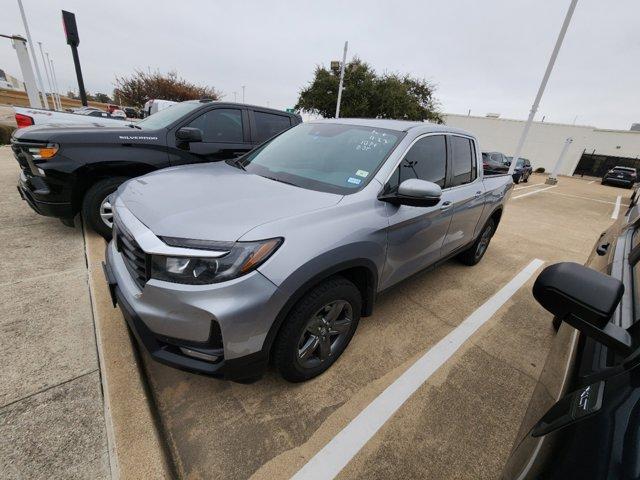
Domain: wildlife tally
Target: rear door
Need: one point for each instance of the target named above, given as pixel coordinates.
(416, 234)
(466, 193)
(225, 135)
(265, 125)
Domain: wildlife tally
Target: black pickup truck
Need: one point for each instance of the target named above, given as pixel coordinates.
(72, 169)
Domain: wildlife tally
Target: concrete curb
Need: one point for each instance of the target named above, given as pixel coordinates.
(136, 447)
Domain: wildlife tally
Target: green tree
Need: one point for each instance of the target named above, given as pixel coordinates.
(102, 97)
(369, 95)
(140, 87)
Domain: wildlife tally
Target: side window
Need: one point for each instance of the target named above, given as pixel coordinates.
(462, 161)
(426, 160)
(268, 125)
(220, 125)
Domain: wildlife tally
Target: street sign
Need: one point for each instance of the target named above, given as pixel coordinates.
(70, 28)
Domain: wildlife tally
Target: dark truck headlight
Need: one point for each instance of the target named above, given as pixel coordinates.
(242, 258)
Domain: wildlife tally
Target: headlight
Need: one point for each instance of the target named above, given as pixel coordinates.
(44, 153)
(243, 257)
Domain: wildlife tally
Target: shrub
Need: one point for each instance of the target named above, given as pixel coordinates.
(5, 133)
(540, 170)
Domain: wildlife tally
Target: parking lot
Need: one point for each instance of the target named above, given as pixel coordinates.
(460, 423)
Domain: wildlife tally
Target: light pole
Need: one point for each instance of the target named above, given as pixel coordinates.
(235, 97)
(243, 87)
(543, 85)
(20, 46)
(552, 179)
(33, 55)
(46, 72)
(344, 59)
(55, 81)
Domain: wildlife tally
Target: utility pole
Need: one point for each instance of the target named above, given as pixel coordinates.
(243, 87)
(543, 85)
(553, 178)
(344, 59)
(33, 56)
(235, 97)
(46, 72)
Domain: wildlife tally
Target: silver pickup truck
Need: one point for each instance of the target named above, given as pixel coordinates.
(219, 268)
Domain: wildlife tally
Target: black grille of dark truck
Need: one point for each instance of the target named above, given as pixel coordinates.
(135, 259)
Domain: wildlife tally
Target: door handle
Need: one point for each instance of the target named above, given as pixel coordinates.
(478, 193)
(446, 205)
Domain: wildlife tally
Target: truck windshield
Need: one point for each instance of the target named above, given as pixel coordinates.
(327, 157)
(166, 117)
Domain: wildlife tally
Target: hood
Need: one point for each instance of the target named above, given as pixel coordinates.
(215, 201)
(84, 133)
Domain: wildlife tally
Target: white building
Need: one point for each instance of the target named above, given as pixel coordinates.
(592, 152)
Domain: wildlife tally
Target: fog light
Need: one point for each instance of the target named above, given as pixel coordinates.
(199, 355)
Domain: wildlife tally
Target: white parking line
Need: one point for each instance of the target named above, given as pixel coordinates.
(529, 186)
(592, 181)
(535, 191)
(336, 454)
(616, 209)
(583, 198)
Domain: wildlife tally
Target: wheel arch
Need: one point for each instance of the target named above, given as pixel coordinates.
(89, 174)
(361, 272)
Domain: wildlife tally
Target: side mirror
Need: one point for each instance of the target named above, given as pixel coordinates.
(585, 299)
(415, 193)
(189, 134)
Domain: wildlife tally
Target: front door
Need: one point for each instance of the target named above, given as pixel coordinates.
(415, 234)
(224, 136)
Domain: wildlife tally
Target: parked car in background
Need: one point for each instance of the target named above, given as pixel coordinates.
(27, 117)
(523, 169)
(497, 163)
(625, 176)
(132, 112)
(74, 169)
(583, 419)
(219, 268)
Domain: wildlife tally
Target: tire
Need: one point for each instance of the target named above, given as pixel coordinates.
(517, 180)
(93, 201)
(300, 353)
(475, 252)
(526, 179)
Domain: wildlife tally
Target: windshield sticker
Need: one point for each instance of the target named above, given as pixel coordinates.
(362, 173)
(354, 180)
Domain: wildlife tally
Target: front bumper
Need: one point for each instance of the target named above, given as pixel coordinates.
(33, 190)
(164, 317)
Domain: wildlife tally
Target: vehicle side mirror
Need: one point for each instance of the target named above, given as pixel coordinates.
(189, 134)
(585, 299)
(416, 193)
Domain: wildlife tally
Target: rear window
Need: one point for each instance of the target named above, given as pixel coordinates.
(624, 169)
(269, 125)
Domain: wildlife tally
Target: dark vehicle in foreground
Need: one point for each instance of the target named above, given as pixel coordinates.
(220, 268)
(72, 169)
(625, 176)
(583, 420)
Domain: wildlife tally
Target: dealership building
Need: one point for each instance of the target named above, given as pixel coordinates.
(592, 151)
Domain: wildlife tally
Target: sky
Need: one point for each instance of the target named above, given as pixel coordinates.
(484, 56)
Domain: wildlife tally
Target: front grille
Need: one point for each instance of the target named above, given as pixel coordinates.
(135, 259)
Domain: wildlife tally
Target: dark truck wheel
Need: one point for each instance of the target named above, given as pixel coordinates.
(97, 212)
(318, 330)
(474, 254)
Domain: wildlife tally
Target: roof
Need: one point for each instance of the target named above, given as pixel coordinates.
(399, 125)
